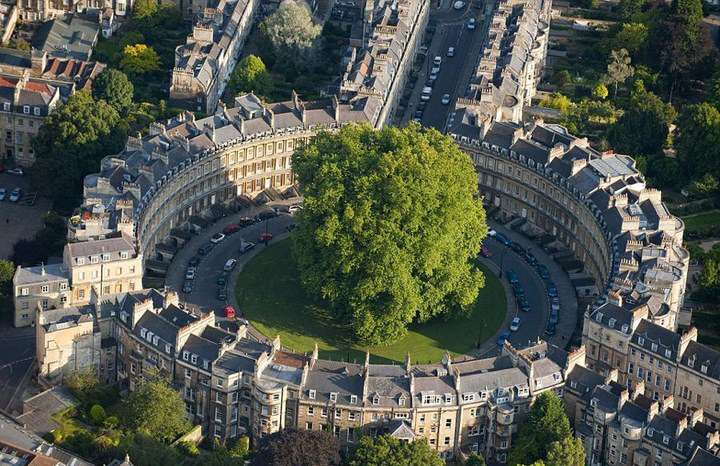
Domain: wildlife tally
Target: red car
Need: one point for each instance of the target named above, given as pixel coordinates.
(230, 229)
(265, 237)
(229, 311)
(2, 168)
(485, 252)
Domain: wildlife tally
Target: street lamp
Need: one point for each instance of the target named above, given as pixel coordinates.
(482, 324)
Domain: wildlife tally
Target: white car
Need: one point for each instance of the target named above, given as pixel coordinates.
(555, 304)
(245, 246)
(446, 99)
(15, 195)
(459, 5)
(426, 93)
(190, 273)
(515, 324)
(16, 171)
(435, 70)
(438, 61)
(217, 238)
(471, 24)
(492, 232)
(295, 208)
(451, 52)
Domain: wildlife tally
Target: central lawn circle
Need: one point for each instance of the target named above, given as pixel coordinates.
(273, 299)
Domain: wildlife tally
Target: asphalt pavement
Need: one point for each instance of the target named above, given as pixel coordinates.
(17, 356)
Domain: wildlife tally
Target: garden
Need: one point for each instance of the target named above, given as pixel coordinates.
(271, 295)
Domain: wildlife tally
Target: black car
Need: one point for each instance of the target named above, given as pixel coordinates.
(429, 83)
(222, 279)
(268, 214)
(188, 286)
(194, 261)
(418, 113)
(518, 290)
(550, 329)
(517, 248)
(222, 294)
(245, 222)
(205, 249)
(530, 258)
(422, 105)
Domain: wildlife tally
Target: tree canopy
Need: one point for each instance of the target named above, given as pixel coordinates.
(384, 237)
(547, 424)
(250, 75)
(115, 88)
(697, 140)
(70, 144)
(156, 409)
(139, 59)
(566, 452)
(292, 447)
(386, 450)
(144, 8)
(644, 127)
(475, 460)
(619, 68)
(292, 33)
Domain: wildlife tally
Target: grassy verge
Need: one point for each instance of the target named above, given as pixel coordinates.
(273, 299)
(705, 219)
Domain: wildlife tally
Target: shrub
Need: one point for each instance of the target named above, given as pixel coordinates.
(97, 413)
(110, 422)
(188, 448)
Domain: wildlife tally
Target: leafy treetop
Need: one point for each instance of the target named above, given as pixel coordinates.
(386, 450)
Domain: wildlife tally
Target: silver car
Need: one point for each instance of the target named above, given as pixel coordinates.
(15, 195)
(2, 194)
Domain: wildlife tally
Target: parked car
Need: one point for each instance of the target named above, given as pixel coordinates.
(205, 249)
(438, 60)
(504, 240)
(451, 52)
(245, 222)
(229, 265)
(445, 99)
(418, 114)
(492, 233)
(222, 279)
(517, 248)
(231, 229)
(550, 329)
(16, 171)
(551, 289)
(422, 105)
(459, 5)
(503, 337)
(222, 294)
(267, 214)
(544, 272)
(245, 246)
(187, 286)
(295, 208)
(228, 311)
(15, 195)
(515, 324)
(485, 252)
(430, 84)
(265, 237)
(190, 273)
(217, 238)
(194, 261)
(555, 304)
(554, 317)
(471, 24)
(530, 258)
(518, 290)
(426, 93)
(2, 194)
(512, 276)
(523, 304)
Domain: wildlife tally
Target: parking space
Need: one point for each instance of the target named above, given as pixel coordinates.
(22, 218)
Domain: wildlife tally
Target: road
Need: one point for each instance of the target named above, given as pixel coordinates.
(205, 292)
(17, 353)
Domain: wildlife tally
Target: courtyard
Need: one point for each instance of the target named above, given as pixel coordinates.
(271, 295)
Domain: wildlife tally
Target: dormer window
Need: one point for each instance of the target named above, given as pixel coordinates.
(704, 368)
(26, 109)
(625, 328)
(124, 255)
(467, 397)
(105, 257)
(691, 362)
(206, 365)
(80, 261)
(93, 259)
(641, 341)
(573, 384)
(311, 394)
(593, 402)
(611, 323)
(401, 401)
(6, 106)
(143, 332)
(186, 355)
(194, 359)
(654, 346)
(666, 439)
(599, 316)
(448, 398)
(36, 111)
(168, 348)
(353, 399)
(650, 431)
(668, 353)
(155, 340)
(333, 397)
(680, 446)
(376, 400)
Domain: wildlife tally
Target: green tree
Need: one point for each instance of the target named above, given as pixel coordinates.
(70, 144)
(292, 447)
(566, 452)
(561, 78)
(139, 59)
(600, 91)
(157, 409)
(704, 187)
(389, 451)
(619, 68)
(363, 243)
(7, 271)
(631, 37)
(644, 127)
(629, 8)
(697, 140)
(475, 460)
(557, 101)
(145, 450)
(250, 75)
(665, 172)
(292, 34)
(97, 413)
(689, 10)
(547, 424)
(143, 9)
(115, 88)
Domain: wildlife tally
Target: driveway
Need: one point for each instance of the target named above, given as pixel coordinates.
(19, 220)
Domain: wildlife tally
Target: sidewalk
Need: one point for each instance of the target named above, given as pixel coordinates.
(566, 291)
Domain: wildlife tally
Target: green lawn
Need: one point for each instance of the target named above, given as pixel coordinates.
(705, 219)
(273, 299)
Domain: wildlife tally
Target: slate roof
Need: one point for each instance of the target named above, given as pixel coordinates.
(328, 377)
(34, 275)
(648, 334)
(113, 246)
(69, 37)
(702, 355)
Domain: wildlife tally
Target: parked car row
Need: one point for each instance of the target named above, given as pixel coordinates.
(14, 195)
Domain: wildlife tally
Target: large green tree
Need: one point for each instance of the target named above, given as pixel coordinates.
(475, 459)
(697, 140)
(389, 228)
(144, 8)
(619, 68)
(139, 59)
(292, 447)
(566, 452)
(70, 144)
(644, 127)
(115, 88)
(250, 75)
(155, 408)
(628, 9)
(146, 450)
(292, 33)
(389, 451)
(547, 424)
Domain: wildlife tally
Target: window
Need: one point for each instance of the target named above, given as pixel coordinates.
(323, 412)
(81, 261)
(308, 426)
(351, 416)
(353, 399)
(186, 355)
(446, 441)
(45, 288)
(311, 394)
(219, 382)
(93, 259)
(26, 109)
(218, 414)
(36, 110)
(311, 410)
(448, 422)
(338, 414)
(63, 286)
(6, 106)
(25, 291)
(188, 373)
(667, 384)
(333, 397)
